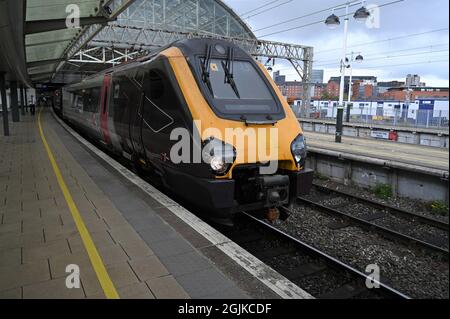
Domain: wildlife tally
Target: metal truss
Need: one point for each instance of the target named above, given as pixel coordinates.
(111, 10)
(145, 25)
(144, 40)
(106, 55)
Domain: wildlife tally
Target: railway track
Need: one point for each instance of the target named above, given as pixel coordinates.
(415, 230)
(321, 275)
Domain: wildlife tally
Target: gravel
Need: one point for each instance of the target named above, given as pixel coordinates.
(413, 205)
(404, 225)
(414, 273)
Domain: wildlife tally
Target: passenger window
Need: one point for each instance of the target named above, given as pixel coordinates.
(95, 97)
(89, 98)
(79, 100)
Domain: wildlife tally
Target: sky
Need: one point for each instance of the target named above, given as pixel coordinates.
(407, 37)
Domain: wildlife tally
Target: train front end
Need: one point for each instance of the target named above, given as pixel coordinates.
(248, 138)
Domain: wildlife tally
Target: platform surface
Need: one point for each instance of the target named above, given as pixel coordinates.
(404, 153)
(143, 255)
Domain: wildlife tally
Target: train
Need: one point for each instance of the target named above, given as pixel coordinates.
(204, 117)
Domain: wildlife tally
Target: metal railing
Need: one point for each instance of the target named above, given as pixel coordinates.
(438, 119)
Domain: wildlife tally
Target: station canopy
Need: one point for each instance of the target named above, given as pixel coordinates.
(113, 31)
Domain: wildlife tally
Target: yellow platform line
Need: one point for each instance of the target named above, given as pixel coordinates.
(96, 261)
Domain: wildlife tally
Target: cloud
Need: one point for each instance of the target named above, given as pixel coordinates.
(397, 20)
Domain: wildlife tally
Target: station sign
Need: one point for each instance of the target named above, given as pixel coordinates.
(380, 134)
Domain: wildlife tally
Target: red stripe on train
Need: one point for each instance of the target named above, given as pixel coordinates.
(104, 109)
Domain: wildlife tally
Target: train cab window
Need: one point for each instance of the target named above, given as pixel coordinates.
(248, 82)
(238, 90)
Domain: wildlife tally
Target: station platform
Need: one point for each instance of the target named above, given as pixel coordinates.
(411, 171)
(435, 137)
(418, 155)
(75, 210)
(429, 130)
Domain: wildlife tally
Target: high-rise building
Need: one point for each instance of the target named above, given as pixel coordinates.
(278, 78)
(413, 80)
(317, 76)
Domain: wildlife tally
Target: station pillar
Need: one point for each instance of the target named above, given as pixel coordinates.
(339, 124)
(22, 101)
(14, 101)
(26, 99)
(4, 104)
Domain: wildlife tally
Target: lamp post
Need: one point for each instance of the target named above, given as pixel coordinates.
(359, 58)
(333, 22)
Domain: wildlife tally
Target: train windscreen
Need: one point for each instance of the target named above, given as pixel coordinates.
(249, 84)
(237, 89)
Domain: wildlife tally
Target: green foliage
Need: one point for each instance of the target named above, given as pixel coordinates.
(439, 208)
(383, 191)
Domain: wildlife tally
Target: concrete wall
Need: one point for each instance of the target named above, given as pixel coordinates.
(405, 182)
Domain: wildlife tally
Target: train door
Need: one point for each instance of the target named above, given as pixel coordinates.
(104, 109)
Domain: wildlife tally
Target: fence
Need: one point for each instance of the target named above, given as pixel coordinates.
(394, 117)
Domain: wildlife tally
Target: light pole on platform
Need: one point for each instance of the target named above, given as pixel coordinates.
(333, 22)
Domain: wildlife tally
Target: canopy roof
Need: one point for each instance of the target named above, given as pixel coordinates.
(49, 43)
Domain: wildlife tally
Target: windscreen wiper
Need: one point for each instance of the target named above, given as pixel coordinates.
(229, 69)
(205, 69)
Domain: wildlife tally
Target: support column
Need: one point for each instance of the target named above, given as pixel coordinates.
(22, 101)
(26, 99)
(393, 179)
(4, 104)
(348, 173)
(14, 101)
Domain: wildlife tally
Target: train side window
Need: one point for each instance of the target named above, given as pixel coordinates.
(79, 100)
(89, 98)
(94, 100)
(86, 95)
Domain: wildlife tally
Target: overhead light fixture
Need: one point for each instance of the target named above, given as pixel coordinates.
(108, 9)
(333, 21)
(361, 15)
(359, 58)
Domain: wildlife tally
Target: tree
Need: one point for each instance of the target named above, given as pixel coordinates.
(329, 97)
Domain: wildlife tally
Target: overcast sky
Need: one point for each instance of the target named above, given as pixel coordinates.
(426, 54)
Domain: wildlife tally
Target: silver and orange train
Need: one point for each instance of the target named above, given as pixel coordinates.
(205, 88)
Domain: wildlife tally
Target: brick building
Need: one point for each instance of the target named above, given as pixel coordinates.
(292, 89)
(333, 88)
(402, 93)
(319, 90)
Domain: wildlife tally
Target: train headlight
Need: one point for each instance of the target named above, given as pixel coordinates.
(219, 155)
(299, 150)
